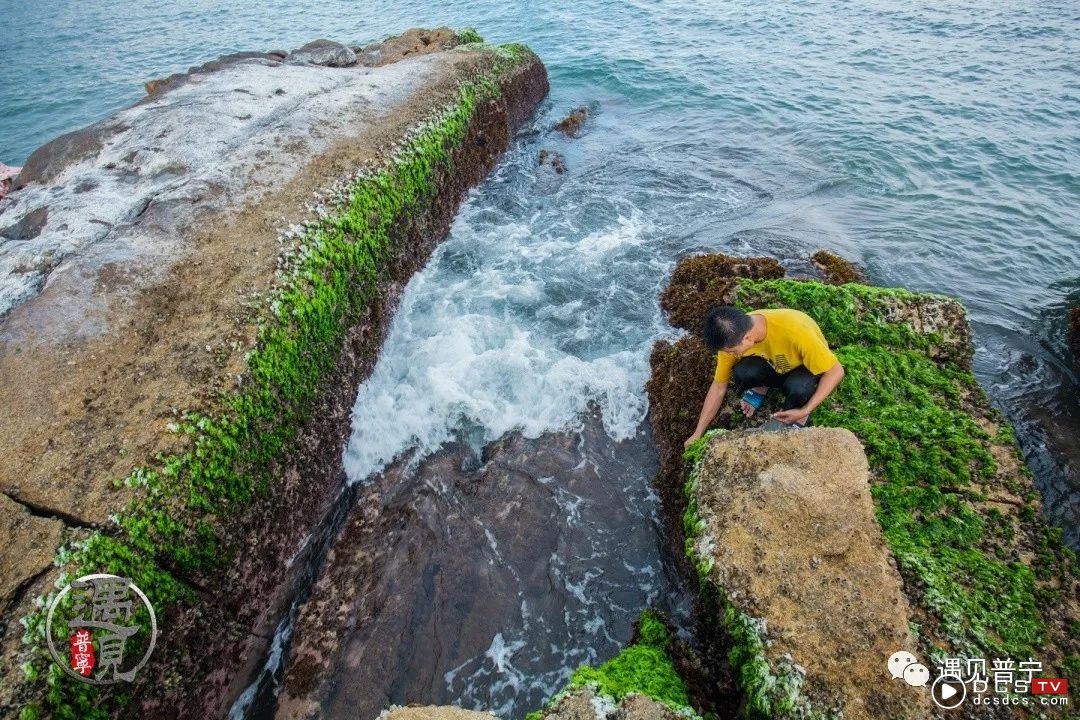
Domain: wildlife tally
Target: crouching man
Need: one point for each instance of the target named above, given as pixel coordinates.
(768, 349)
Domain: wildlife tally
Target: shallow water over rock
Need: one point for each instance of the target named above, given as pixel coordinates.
(483, 581)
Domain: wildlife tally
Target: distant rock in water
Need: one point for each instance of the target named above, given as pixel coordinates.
(322, 52)
(836, 269)
(571, 124)
(554, 159)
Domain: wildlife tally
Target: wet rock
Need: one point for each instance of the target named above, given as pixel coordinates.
(836, 269)
(409, 44)
(141, 257)
(584, 704)
(29, 546)
(479, 561)
(322, 52)
(703, 281)
(553, 159)
(1074, 332)
(790, 531)
(571, 125)
(433, 712)
(51, 159)
(29, 226)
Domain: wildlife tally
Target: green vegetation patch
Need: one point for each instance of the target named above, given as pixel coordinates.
(644, 667)
(930, 458)
(171, 531)
(912, 400)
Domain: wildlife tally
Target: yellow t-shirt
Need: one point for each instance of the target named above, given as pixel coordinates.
(792, 338)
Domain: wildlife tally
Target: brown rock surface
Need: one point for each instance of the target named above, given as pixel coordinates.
(411, 43)
(702, 281)
(433, 712)
(28, 547)
(571, 125)
(109, 349)
(584, 705)
(791, 529)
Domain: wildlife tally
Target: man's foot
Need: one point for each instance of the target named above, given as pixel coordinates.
(752, 400)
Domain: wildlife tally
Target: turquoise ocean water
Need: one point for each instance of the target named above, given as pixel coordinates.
(935, 143)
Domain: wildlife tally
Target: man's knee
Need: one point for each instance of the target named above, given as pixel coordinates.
(751, 372)
(799, 386)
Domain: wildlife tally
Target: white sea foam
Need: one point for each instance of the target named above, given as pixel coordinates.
(484, 340)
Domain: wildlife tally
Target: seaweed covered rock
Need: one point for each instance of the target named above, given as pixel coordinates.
(571, 125)
(641, 682)
(985, 575)
(188, 371)
(836, 269)
(701, 281)
(785, 529)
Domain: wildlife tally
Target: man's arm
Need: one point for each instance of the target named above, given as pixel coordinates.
(828, 382)
(713, 400)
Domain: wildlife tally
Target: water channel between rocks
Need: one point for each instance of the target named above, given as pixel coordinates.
(483, 580)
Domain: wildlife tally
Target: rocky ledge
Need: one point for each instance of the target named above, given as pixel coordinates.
(907, 520)
(190, 293)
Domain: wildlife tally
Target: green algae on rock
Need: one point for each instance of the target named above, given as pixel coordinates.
(986, 576)
(186, 527)
(642, 668)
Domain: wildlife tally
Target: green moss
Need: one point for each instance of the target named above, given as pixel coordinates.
(232, 454)
(468, 36)
(643, 667)
(928, 454)
(910, 405)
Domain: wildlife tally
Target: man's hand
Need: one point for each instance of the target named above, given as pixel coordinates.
(691, 440)
(795, 415)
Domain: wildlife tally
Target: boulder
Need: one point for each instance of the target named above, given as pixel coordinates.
(789, 534)
(571, 125)
(836, 269)
(584, 704)
(322, 52)
(409, 44)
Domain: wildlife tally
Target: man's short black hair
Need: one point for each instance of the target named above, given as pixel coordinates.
(725, 327)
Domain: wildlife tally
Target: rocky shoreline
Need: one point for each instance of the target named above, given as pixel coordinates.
(983, 574)
(194, 324)
(163, 354)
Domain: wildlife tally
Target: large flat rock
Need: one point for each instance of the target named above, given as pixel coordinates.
(131, 260)
(790, 527)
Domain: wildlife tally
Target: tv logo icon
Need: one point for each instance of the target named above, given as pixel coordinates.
(1049, 686)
